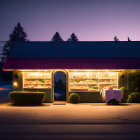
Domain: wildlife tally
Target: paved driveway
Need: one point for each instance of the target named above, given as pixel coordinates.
(88, 113)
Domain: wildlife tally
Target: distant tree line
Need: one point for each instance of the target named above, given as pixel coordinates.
(19, 34)
(116, 39)
(57, 38)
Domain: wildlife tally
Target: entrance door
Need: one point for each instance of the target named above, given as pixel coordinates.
(59, 86)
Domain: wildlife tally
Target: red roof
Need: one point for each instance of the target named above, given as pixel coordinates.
(71, 63)
(74, 55)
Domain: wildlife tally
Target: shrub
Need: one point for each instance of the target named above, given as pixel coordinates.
(134, 97)
(134, 80)
(74, 98)
(27, 97)
(124, 94)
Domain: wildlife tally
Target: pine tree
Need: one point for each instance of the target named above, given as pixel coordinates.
(116, 39)
(129, 39)
(60, 85)
(73, 37)
(18, 34)
(57, 37)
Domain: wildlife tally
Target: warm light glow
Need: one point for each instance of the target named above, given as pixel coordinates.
(111, 73)
(15, 84)
(95, 70)
(62, 70)
(92, 81)
(37, 79)
(34, 70)
(37, 75)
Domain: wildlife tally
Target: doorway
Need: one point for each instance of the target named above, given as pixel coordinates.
(60, 86)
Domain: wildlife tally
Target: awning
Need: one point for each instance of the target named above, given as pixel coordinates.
(71, 63)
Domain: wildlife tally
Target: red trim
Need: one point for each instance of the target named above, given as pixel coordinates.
(71, 63)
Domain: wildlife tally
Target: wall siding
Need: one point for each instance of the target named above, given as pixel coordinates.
(89, 97)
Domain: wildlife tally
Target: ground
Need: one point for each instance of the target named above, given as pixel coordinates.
(70, 121)
(61, 120)
(84, 113)
(4, 91)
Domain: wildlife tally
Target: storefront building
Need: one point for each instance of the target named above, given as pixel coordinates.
(89, 66)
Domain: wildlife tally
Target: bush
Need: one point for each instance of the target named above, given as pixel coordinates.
(124, 94)
(27, 97)
(74, 98)
(134, 80)
(134, 97)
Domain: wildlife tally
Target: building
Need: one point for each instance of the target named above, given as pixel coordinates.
(89, 66)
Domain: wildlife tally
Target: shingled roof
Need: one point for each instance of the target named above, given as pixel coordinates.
(74, 55)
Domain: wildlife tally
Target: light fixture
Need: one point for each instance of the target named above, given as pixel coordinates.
(15, 84)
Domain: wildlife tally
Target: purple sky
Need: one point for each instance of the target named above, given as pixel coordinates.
(90, 20)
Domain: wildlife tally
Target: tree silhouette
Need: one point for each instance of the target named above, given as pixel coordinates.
(116, 39)
(57, 37)
(18, 34)
(73, 37)
(128, 39)
(59, 85)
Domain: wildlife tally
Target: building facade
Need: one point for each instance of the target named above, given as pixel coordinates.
(89, 66)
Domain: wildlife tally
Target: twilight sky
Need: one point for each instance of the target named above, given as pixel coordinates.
(90, 20)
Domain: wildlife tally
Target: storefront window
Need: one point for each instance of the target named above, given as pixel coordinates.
(108, 79)
(36, 79)
(92, 81)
